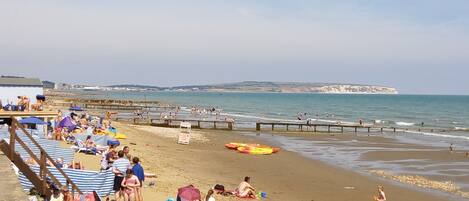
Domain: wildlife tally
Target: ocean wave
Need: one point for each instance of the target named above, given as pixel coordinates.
(259, 117)
(247, 116)
(437, 135)
(401, 123)
(460, 129)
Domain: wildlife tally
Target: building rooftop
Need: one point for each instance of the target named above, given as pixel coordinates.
(23, 82)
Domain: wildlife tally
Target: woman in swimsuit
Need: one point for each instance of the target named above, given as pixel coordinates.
(130, 185)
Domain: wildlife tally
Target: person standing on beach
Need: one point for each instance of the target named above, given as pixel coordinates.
(119, 167)
(451, 148)
(138, 171)
(127, 155)
(381, 195)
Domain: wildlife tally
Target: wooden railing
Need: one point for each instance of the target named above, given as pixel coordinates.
(41, 161)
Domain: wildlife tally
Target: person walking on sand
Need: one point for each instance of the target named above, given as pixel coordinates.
(381, 195)
(451, 148)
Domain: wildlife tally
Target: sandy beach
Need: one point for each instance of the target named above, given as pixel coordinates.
(283, 176)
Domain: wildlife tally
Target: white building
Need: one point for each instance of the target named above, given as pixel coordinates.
(12, 87)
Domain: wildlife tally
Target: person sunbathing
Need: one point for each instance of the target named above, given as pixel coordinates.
(59, 161)
(245, 190)
(77, 165)
(93, 147)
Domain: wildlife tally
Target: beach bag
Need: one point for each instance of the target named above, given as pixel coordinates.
(113, 142)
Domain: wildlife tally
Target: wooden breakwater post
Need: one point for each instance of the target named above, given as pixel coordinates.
(315, 126)
(194, 122)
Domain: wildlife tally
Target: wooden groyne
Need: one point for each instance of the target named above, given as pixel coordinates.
(195, 123)
(315, 126)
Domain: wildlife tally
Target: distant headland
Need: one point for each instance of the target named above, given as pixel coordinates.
(253, 86)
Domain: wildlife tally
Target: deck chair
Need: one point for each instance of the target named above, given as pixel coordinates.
(80, 147)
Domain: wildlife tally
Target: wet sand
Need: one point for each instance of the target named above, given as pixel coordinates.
(284, 176)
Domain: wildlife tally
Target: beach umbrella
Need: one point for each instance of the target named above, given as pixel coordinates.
(67, 123)
(32, 120)
(75, 108)
(189, 193)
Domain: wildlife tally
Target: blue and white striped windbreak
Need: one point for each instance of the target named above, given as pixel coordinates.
(87, 181)
(52, 147)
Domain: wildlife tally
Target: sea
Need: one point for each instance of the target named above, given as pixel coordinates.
(448, 115)
(434, 111)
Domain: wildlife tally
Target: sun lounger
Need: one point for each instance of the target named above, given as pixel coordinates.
(80, 147)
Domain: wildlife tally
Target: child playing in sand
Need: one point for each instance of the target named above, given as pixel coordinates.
(209, 196)
(245, 190)
(381, 195)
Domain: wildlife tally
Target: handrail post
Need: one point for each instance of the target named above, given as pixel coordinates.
(42, 171)
(12, 137)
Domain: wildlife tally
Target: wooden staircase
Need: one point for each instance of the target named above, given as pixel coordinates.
(38, 180)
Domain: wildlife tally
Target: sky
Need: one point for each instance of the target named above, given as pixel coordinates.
(417, 46)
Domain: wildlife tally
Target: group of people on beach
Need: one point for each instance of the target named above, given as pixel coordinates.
(24, 104)
(244, 191)
(128, 171)
(202, 111)
(129, 175)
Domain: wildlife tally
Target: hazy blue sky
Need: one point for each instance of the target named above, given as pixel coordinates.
(417, 46)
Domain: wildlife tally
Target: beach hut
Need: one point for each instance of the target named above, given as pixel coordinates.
(185, 133)
(12, 87)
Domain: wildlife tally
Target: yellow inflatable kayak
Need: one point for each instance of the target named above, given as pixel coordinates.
(252, 148)
(235, 145)
(255, 150)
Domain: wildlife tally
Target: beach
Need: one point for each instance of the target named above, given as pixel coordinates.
(283, 176)
(310, 165)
